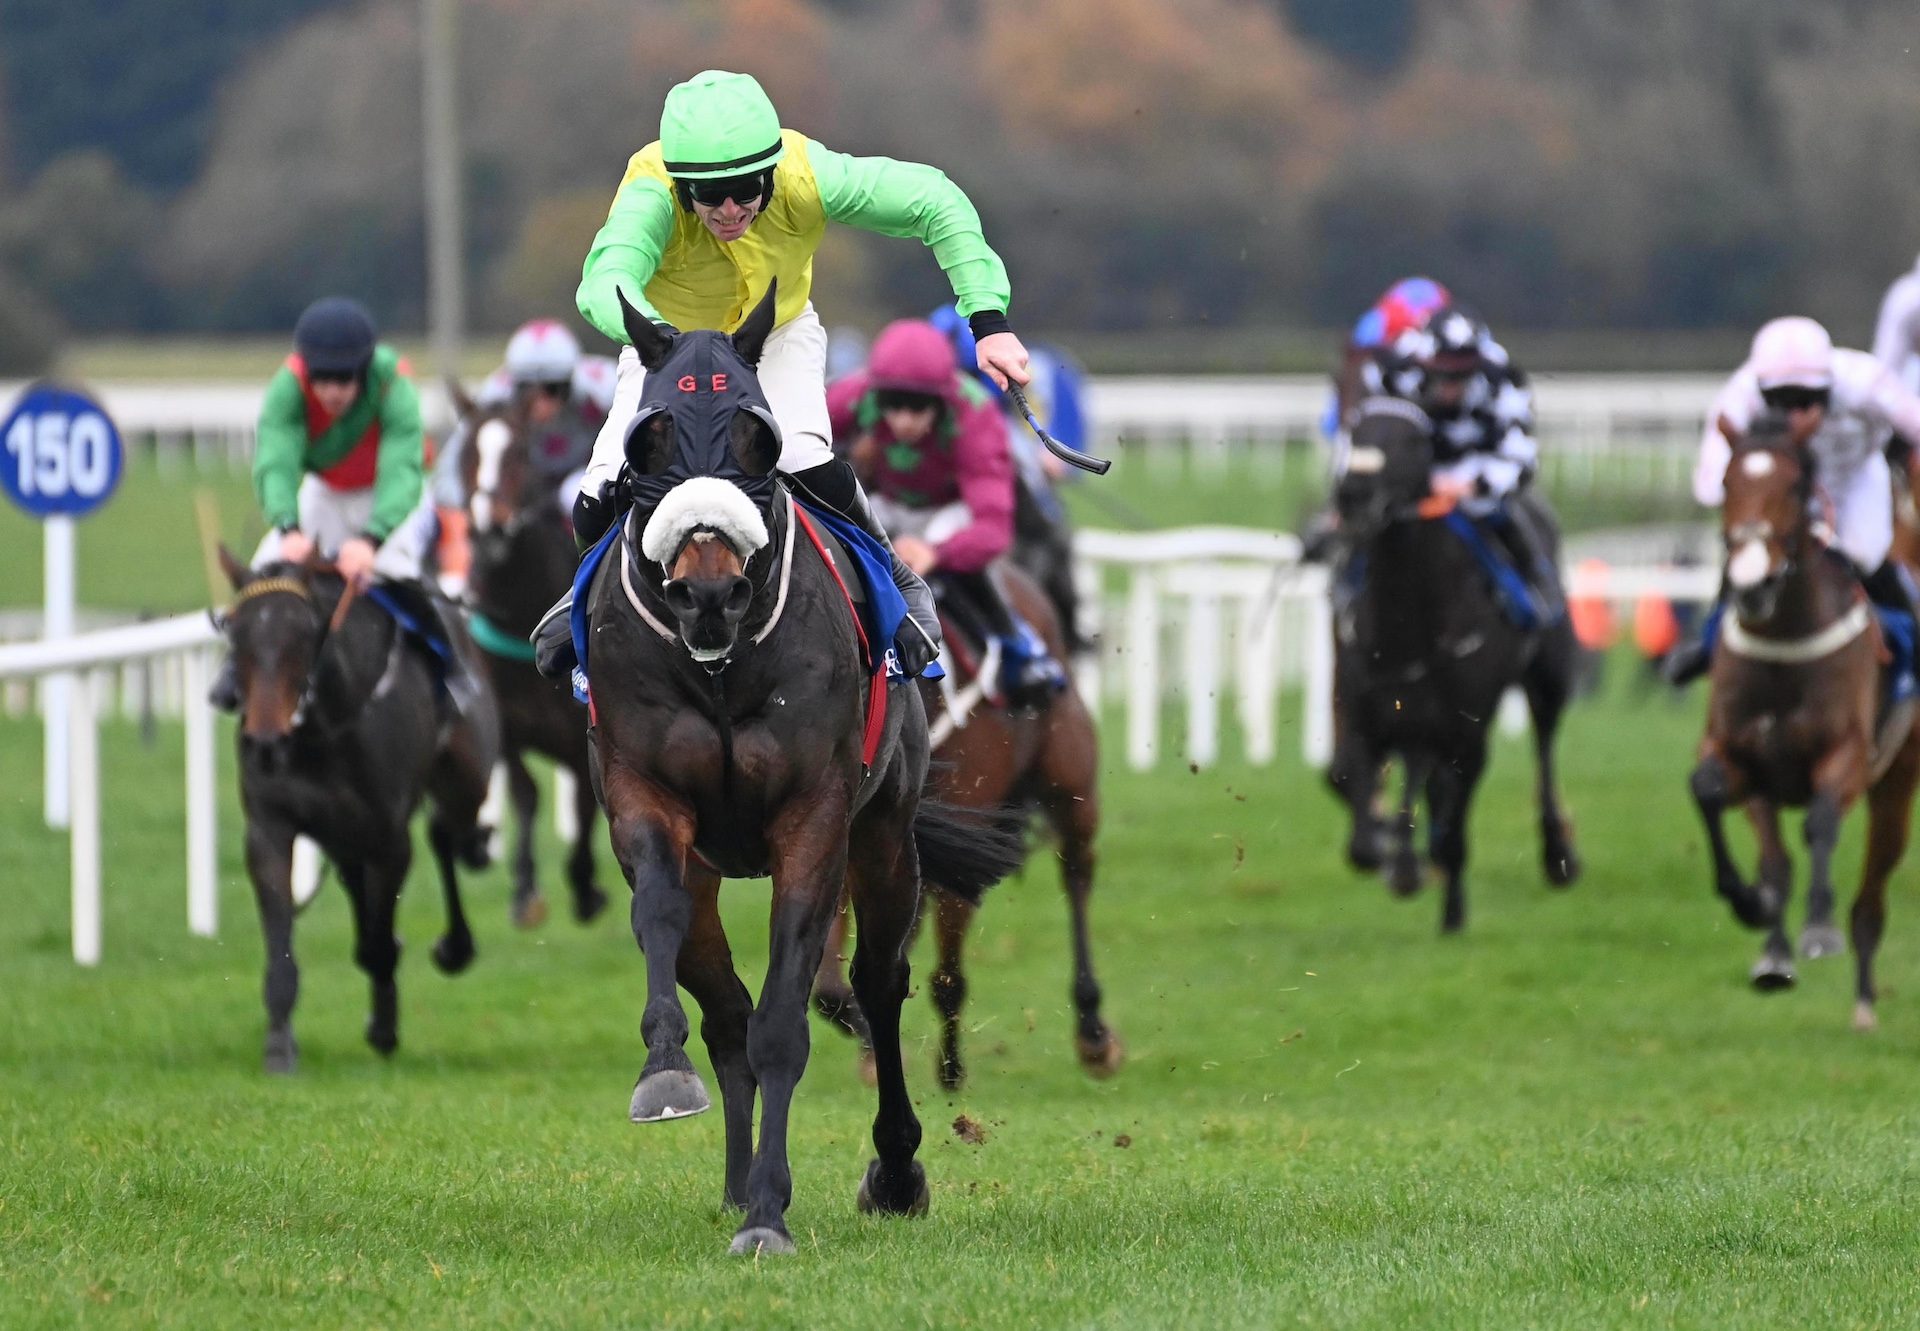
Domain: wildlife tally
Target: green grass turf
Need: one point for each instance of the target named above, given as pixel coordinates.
(1576, 1115)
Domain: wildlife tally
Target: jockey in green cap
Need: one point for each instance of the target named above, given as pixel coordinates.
(712, 213)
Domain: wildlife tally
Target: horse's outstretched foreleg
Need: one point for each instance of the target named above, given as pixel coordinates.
(1837, 782)
(528, 908)
(1404, 876)
(1713, 788)
(808, 840)
(1071, 799)
(1548, 682)
(1450, 796)
(270, 866)
(589, 899)
(833, 996)
(373, 883)
(706, 969)
(1890, 808)
(454, 950)
(1354, 775)
(1773, 969)
(952, 918)
(652, 832)
(885, 891)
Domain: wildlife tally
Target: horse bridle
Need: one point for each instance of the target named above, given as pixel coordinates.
(287, 586)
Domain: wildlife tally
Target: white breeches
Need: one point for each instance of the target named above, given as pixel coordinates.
(332, 517)
(932, 525)
(1862, 498)
(793, 375)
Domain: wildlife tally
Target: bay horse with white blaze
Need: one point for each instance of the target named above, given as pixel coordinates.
(342, 733)
(734, 736)
(523, 560)
(1791, 720)
(1008, 763)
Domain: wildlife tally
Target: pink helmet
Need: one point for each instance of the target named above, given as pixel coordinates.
(912, 356)
(542, 352)
(1794, 352)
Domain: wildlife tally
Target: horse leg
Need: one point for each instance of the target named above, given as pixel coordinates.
(588, 897)
(1405, 877)
(833, 996)
(809, 844)
(952, 917)
(453, 951)
(652, 833)
(1713, 788)
(886, 875)
(1889, 808)
(528, 909)
(1071, 799)
(1454, 783)
(374, 884)
(1837, 780)
(1773, 969)
(270, 866)
(706, 969)
(1548, 684)
(1354, 775)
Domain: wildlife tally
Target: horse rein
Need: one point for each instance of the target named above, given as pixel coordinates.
(286, 586)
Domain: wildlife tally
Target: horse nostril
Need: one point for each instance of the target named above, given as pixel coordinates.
(739, 597)
(680, 598)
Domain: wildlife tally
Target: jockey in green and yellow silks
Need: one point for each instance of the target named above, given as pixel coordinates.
(725, 203)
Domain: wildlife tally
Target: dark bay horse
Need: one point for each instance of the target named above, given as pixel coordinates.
(1003, 762)
(1422, 656)
(523, 561)
(1791, 719)
(732, 722)
(342, 733)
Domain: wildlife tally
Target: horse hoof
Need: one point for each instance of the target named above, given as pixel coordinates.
(1102, 1057)
(759, 1239)
(666, 1095)
(529, 912)
(384, 1039)
(453, 953)
(871, 1202)
(1563, 870)
(868, 1069)
(1821, 940)
(1772, 974)
(1863, 1018)
(282, 1055)
(1405, 879)
(587, 905)
(1366, 854)
(950, 1072)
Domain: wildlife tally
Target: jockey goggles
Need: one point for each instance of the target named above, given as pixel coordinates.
(1792, 397)
(901, 399)
(743, 190)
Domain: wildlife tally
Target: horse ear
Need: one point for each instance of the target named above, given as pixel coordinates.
(237, 573)
(460, 400)
(1732, 433)
(643, 334)
(751, 339)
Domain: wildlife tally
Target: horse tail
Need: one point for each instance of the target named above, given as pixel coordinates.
(963, 852)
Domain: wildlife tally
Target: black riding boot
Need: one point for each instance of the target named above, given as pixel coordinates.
(436, 614)
(1539, 573)
(1890, 586)
(833, 485)
(593, 516)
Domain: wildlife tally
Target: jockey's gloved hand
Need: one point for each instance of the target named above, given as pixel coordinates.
(594, 511)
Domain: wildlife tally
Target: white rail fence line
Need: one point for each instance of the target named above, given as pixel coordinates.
(1184, 618)
(1631, 431)
(87, 662)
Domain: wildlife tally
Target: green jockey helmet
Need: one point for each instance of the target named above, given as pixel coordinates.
(719, 124)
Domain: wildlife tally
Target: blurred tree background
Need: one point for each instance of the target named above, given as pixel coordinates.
(1143, 165)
